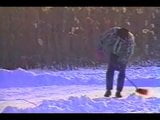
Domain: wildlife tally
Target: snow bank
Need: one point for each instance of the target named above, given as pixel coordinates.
(84, 104)
(75, 91)
(22, 78)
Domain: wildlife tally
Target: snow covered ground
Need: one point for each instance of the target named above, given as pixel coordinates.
(76, 91)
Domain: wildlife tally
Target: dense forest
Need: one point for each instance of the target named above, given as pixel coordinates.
(66, 37)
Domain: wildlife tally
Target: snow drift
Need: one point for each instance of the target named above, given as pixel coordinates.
(75, 91)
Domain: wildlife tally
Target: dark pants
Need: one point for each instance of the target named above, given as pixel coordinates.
(112, 66)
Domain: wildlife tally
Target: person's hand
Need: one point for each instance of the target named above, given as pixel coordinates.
(99, 55)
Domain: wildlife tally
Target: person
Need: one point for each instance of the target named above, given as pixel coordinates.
(118, 43)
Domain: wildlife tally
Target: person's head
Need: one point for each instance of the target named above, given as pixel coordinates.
(123, 33)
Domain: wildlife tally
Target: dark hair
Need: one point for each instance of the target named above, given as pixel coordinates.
(123, 33)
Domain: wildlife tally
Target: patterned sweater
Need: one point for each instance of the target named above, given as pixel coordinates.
(110, 42)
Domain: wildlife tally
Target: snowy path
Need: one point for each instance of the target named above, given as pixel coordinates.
(46, 96)
(75, 91)
(73, 99)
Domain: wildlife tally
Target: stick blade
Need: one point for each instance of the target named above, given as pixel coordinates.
(142, 91)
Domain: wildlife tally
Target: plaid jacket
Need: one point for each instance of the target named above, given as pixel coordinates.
(110, 42)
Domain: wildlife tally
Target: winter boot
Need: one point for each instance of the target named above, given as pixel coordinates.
(108, 93)
(118, 94)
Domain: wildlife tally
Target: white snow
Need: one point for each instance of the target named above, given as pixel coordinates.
(76, 91)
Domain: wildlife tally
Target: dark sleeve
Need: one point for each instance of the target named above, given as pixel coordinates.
(130, 50)
(107, 39)
(106, 42)
(100, 45)
(124, 58)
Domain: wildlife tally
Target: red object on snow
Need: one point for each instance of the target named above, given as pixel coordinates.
(142, 91)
